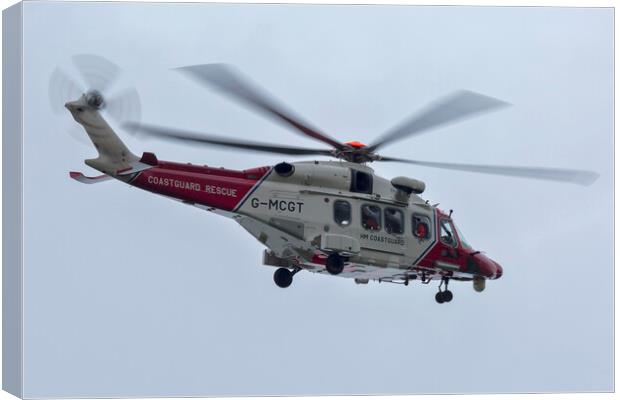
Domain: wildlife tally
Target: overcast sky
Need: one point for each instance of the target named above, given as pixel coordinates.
(130, 294)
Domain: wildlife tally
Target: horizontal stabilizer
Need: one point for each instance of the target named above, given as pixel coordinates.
(135, 166)
(80, 177)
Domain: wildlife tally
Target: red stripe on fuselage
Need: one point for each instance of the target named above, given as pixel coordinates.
(213, 187)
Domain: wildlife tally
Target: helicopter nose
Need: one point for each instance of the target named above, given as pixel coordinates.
(488, 267)
(499, 270)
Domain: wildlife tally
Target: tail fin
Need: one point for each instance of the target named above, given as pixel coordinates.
(114, 156)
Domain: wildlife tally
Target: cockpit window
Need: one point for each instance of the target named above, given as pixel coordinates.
(371, 217)
(446, 234)
(464, 242)
(394, 221)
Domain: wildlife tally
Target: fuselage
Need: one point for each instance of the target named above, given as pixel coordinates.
(300, 211)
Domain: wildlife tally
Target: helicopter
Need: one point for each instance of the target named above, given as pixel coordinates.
(335, 217)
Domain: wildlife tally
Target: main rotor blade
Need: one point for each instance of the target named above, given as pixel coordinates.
(226, 80)
(584, 178)
(459, 105)
(193, 137)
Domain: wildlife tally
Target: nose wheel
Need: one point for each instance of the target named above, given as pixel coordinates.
(444, 296)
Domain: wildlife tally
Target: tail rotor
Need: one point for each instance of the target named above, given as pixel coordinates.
(95, 78)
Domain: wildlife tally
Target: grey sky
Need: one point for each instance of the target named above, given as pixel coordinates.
(131, 294)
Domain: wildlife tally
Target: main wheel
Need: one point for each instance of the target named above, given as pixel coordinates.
(447, 296)
(439, 297)
(283, 277)
(334, 264)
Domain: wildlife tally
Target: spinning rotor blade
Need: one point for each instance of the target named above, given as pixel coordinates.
(457, 106)
(186, 136)
(97, 72)
(62, 89)
(125, 106)
(584, 178)
(99, 76)
(225, 79)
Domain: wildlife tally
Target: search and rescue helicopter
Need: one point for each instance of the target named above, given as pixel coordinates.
(332, 217)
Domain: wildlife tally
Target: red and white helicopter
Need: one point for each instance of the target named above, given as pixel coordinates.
(332, 217)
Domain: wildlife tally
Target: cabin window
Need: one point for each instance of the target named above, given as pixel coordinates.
(361, 182)
(394, 221)
(421, 226)
(446, 234)
(371, 217)
(342, 212)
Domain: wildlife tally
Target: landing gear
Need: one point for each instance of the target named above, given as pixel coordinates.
(439, 297)
(283, 277)
(334, 264)
(444, 296)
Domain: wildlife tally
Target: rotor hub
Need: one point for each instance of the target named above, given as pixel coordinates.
(95, 99)
(355, 144)
(356, 152)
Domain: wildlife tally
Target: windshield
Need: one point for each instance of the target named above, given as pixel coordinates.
(446, 234)
(464, 242)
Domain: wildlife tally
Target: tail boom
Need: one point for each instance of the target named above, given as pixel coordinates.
(212, 187)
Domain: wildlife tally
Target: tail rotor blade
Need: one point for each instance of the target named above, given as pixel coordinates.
(580, 177)
(62, 88)
(124, 106)
(97, 72)
(458, 106)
